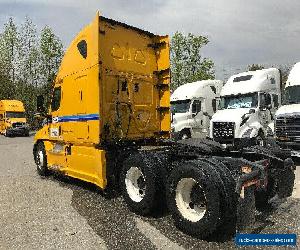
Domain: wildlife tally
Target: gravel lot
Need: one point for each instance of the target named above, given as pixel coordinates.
(60, 213)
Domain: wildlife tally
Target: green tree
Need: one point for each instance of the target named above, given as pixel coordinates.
(187, 63)
(8, 49)
(51, 55)
(28, 66)
(29, 53)
(7, 88)
(253, 67)
(285, 71)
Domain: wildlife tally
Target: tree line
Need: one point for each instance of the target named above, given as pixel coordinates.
(29, 61)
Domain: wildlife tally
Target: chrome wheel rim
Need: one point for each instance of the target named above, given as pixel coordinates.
(191, 208)
(135, 184)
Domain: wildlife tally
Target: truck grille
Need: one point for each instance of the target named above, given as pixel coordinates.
(223, 130)
(287, 128)
(18, 124)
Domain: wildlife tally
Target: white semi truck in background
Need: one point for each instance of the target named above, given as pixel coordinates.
(247, 107)
(193, 105)
(287, 122)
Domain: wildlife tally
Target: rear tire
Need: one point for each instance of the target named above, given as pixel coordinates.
(40, 158)
(193, 199)
(141, 183)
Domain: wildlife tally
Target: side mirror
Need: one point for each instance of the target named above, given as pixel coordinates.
(269, 106)
(40, 104)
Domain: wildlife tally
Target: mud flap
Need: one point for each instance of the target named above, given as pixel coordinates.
(246, 210)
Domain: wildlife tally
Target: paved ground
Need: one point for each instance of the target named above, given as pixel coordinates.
(57, 213)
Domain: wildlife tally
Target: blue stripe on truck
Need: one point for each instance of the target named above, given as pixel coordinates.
(78, 118)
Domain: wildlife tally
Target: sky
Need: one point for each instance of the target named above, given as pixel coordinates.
(241, 32)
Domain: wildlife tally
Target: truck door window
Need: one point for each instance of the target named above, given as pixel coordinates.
(56, 99)
(275, 101)
(265, 100)
(196, 107)
(214, 105)
(82, 47)
(262, 100)
(268, 99)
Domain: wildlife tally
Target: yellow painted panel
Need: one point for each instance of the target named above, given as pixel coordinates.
(87, 163)
(130, 99)
(56, 157)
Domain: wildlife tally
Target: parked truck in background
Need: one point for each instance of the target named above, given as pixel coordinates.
(192, 106)
(287, 122)
(247, 107)
(12, 118)
(109, 124)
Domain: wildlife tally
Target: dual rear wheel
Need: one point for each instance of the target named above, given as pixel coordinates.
(192, 193)
(191, 190)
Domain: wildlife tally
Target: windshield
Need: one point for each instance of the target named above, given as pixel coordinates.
(292, 95)
(181, 106)
(239, 101)
(15, 115)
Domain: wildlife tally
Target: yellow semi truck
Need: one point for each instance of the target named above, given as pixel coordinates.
(109, 124)
(12, 118)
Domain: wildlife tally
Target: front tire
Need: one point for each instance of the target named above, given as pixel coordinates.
(41, 159)
(193, 199)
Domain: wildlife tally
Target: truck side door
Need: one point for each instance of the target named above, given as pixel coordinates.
(197, 118)
(265, 115)
(275, 104)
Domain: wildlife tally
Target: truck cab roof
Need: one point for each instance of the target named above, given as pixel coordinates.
(195, 89)
(11, 105)
(252, 81)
